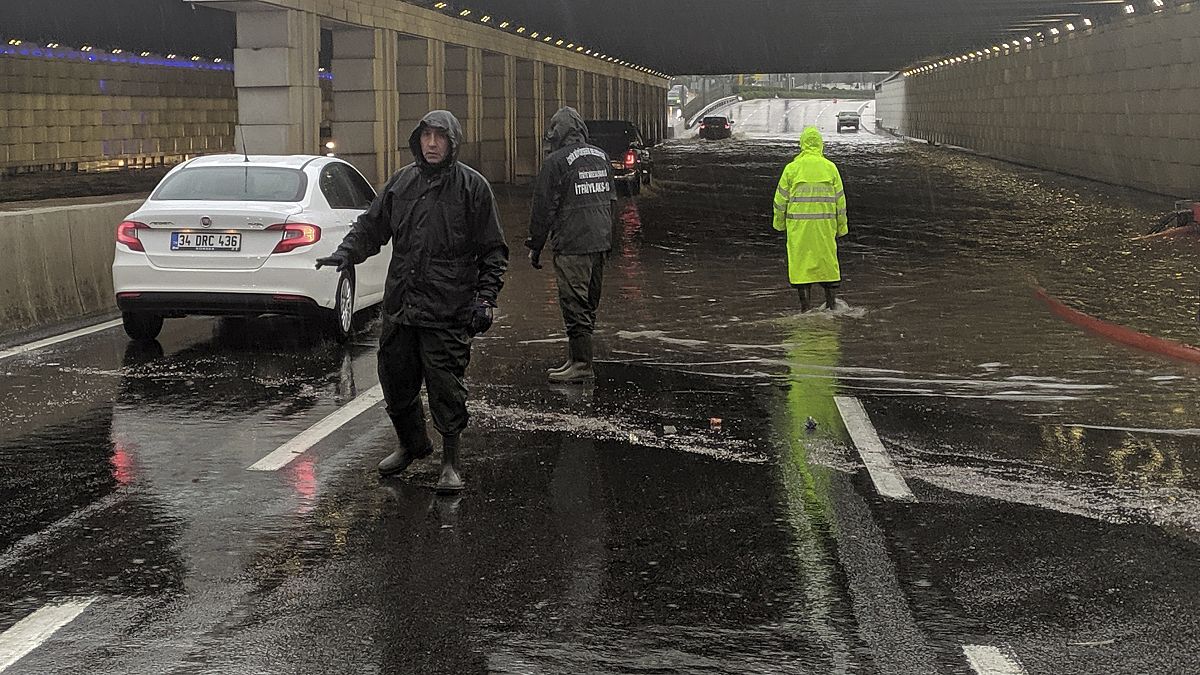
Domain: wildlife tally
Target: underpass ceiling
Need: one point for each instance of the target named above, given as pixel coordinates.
(711, 37)
(681, 37)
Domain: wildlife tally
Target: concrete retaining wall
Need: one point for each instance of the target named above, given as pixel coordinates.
(1118, 103)
(59, 263)
(61, 109)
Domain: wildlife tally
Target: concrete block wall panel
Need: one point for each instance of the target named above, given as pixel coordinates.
(1115, 103)
(64, 110)
(62, 263)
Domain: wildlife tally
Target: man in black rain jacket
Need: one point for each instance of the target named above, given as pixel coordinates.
(447, 268)
(572, 206)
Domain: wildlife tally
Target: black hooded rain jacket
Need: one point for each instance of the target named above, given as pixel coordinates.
(572, 201)
(448, 250)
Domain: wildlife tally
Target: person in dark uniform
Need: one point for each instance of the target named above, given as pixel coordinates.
(572, 206)
(447, 268)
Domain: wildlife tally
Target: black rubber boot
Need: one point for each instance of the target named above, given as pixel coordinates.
(805, 303)
(830, 297)
(580, 369)
(399, 460)
(450, 480)
(566, 364)
(410, 431)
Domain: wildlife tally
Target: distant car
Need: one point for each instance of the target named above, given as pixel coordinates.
(631, 161)
(847, 119)
(238, 235)
(716, 127)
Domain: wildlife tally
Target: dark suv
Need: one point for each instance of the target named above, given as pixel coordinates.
(716, 127)
(631, 161)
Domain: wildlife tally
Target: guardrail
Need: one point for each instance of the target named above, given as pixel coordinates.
(719, 103)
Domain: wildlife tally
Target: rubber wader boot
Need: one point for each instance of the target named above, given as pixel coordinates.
(580, 369)
(566, 364)
(450, 480)
(805, 303)
(399, 460)
(830, 298)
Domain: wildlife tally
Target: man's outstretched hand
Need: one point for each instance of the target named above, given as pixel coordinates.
(338, 260)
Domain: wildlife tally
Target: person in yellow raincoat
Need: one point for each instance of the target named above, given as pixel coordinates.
(810, 206)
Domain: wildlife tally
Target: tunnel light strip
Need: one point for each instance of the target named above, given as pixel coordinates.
(1054, 33)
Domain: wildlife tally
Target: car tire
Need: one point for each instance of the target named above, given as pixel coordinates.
(635, 186)
(142, 326)
(339, 321)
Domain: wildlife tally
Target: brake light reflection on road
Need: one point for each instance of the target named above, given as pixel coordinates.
(295, 235)
(127, 234)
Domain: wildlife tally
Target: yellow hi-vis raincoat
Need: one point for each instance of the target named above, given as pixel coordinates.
(811, 206)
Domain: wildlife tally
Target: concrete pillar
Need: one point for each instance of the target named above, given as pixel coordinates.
(605, 92)
(588, 102)
(620, 107)
(498, 124)
(420, 84)
(530, 124)
(552, 90)
(572, 89)
(365, 101)
(464, 97)
(275, 72)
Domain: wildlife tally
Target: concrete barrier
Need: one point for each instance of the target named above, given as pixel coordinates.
(58, 263)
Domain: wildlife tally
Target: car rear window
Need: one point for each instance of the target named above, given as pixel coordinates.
(234, 184)
(715, 120)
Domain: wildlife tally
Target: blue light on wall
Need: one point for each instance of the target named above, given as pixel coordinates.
(104, 57)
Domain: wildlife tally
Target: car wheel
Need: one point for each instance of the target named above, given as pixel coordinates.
(339, 322)
(634, 186)
(142, 326)
(648, 177)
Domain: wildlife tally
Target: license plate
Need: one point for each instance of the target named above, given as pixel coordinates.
(206, 241)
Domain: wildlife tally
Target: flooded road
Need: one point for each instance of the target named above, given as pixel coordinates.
(679, 516)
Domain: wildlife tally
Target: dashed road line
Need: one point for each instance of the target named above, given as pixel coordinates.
(40, 344)
(988, 660)
(887, 479)
(284, 454)
(29, 633)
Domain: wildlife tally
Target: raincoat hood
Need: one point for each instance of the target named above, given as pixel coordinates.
(811, 141)
(437, 119)
(566, 128)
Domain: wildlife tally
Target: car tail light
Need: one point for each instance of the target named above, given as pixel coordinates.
(630, 159)
(127, 235)
(295, 235)
(727, 126)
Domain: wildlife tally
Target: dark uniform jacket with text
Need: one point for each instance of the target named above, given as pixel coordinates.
(448, 250)
(572, 201)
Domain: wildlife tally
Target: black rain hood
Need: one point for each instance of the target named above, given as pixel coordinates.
(437, 119)
(566, 128)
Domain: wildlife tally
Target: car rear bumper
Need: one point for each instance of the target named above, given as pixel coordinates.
(221, 291)
(215, 304)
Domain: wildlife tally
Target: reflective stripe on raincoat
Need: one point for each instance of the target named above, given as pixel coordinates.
(811, 207)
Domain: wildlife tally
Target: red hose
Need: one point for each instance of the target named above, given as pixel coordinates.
(1126, 336)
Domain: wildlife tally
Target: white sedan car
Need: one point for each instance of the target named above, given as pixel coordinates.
(238, 235)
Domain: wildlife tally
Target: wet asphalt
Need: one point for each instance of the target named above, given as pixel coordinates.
(617, 528)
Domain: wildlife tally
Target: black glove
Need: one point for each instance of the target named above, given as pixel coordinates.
(338, 260)
(481, 318)
(535, 259)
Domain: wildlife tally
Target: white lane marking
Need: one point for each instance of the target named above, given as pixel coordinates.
(29, 633)
(284, 454)
(29, 543)
(34, 346)
(887, 479)
(988, 660)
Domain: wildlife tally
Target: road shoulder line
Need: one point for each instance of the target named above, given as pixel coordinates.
(29, 633)
(284, 454)
(39, 344)
(887, 479)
